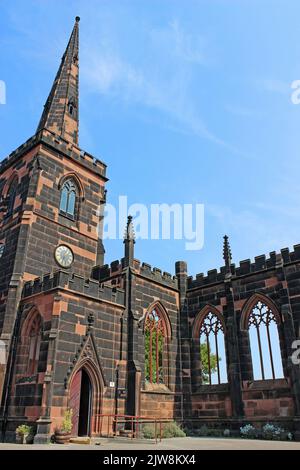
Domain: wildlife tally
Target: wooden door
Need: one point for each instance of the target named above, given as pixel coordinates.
(74, 402)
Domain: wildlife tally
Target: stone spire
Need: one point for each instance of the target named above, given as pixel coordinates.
(60, 113)
(129, 241)
(227, 253)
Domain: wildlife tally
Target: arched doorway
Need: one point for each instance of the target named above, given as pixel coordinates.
(81, 399)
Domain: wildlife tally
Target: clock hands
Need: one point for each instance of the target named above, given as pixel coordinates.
(64, 256)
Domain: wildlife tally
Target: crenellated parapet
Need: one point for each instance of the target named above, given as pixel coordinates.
(63, 280)
(108, 272)
(52, 140)
(156, 274)
(247, 267)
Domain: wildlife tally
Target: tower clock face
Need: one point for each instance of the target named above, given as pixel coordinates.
(64, 256)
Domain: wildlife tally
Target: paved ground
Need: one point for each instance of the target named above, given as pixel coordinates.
(186, 443)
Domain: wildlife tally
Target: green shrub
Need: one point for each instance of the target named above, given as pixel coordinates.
(202, 431)
(273, 432)
(149, 431)
(205, 431)
(170, 429)
(67, 421)
(24, 430)
(248, 431)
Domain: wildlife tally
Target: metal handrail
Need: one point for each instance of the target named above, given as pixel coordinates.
(134, 424)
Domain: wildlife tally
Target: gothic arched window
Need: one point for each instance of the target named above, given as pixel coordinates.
(156, 355)
(34, 338)
(68, 198)
(11, 194)
(212, 350)
(264, 342)
(71, 106)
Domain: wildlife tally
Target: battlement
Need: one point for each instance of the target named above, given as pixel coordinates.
(156, 274)
(48, 138)
(245, 267)
(63, 280)
(106, 272)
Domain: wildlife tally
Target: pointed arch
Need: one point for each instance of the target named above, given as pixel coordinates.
(200, 317)
(10, 193)
(32, 315)
(72, 106)
(262, 321)
(31, 338)
(93, 370)
(96, 378)
(157, 335)
(71, 192)
(157, 305)
(250, 304)
(73, 176)
(209, 345)
(13, 178)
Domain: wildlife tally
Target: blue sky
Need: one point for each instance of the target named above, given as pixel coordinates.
(185, 101)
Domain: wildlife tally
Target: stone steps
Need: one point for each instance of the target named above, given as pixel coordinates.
(80, 440)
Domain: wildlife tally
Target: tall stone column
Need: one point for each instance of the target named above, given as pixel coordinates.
(184, 341)
(234, 372)
(100, 246)
(133, 365)
(231, 339)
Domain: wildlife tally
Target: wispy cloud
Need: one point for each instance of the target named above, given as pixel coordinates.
(242, 111)
(181, 44)
(258, 225)
(162, 81)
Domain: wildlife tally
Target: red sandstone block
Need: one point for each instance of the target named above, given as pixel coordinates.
(251, 404)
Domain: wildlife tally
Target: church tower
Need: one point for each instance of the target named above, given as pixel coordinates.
(51, 197)
(125, 338)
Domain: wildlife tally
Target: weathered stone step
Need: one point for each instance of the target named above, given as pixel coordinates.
(80, 440)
